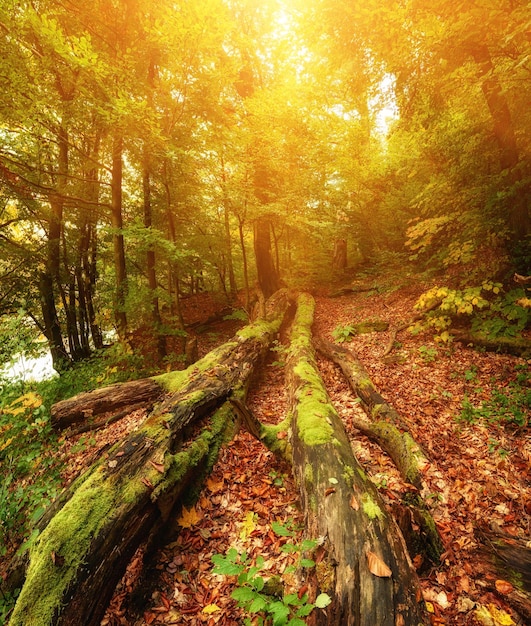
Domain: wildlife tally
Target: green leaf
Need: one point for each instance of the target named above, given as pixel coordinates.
(305, 609)
(291, 598)
(244, 595)
(281, 530)
(224, 566)
(258, 604)
(322, 600)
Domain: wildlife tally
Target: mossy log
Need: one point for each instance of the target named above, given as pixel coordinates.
(127, 496)
(362, 562)
(389, 430)
(517, 346)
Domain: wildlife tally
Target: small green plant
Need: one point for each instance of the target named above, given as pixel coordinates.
(343, 333)
(428, 355)
(31, 478)
(471, 373)
(238, 315)
(262, 596)
(278, 478)
(510, 406)
(495, 446)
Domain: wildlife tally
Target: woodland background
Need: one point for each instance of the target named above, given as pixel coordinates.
(154, 151)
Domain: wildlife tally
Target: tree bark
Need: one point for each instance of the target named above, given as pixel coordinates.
(362, 563)
(339, 260)
(118, 237)
(127, 496)
(268, 277)
(507, 558)
(390, 432)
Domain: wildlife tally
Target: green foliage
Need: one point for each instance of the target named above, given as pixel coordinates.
(485, 307)
(18, 336)
(510, 406)
(504, 318)
(428, 355)
(238, 314)
(344, 333)
(27, 444)
(262, 596)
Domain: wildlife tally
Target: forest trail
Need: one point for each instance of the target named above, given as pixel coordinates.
(478, 472)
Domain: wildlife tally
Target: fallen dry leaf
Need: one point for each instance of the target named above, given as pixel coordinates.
(504, 587)
(188, 518)
(377, 566)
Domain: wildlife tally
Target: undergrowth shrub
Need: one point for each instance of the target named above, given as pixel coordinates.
(485, 308)
(31, 471)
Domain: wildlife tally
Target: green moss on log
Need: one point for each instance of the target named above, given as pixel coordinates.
(370, 507)
(67, 537)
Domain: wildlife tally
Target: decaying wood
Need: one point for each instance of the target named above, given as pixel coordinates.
(128, 495)
(247, 417)
(508, 560)
(403, 326)
(362, 561)
(89, 404)
(517, 346)
(343, 291)
(104, 423)
(387, 428)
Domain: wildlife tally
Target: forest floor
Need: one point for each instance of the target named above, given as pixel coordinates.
(479, 472)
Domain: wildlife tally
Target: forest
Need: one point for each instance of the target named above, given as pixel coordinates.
(278, 253)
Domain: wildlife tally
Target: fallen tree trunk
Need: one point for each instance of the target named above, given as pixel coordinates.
(128, 495)
(89, 404)
(517, 346)
(362, 562)
(389, 431)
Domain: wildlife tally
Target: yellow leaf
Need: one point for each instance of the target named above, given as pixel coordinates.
(248, 525)
(211, 608)
(492, 616)
(189, 517)
(213, 485)
(429, 607)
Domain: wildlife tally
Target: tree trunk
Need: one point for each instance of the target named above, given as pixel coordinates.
(519, 216)
(130, 492)
(362, 563)
(118, 237)
(60, 358)
(245, 267)
(507, 558)
(268, 277)
(388, 429)
(339, 261)
(151, 262)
